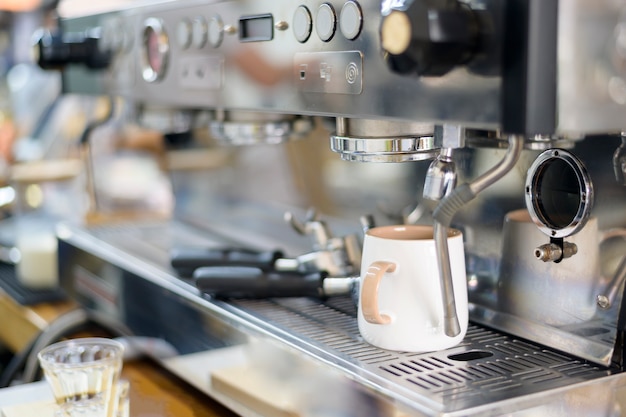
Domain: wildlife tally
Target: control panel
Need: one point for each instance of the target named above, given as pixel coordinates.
(280, 56)
(521, 66)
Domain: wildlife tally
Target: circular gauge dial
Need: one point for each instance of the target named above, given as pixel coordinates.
(156, 49)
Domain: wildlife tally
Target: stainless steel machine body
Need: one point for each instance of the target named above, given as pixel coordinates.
(550, 71)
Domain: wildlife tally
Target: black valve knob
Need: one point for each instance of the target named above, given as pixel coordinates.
(428, 37)
(55, 51)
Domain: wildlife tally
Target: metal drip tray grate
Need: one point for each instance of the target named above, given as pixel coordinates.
(489, 370)
(488, 366)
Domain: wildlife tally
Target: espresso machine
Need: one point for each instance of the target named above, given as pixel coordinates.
(446, 112)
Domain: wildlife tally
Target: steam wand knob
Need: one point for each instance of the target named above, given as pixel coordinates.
(311, 226)
(56, 50)
(428, 37)
(337, 256)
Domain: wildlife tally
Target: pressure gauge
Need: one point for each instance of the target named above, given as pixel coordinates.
(156, 49)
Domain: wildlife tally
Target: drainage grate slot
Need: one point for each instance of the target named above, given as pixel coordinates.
(471, 355)
(532, 374)
(442, 379)
(452, 377)
(399, 368)
(502, 367)
(582, 370)
(496, 368)
(502, 348)
(487, 382)
(483, 371)
(430, 382)
(520, 362)
(433, 362)
(375, 358)
(544, 377)
(420, 384)
(391, 371)
(537, 360)
(548, 358)
(462, 373)
(414, 368)
(443, 362)
(422, 364)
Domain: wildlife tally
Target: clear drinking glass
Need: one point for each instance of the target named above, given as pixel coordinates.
(83, 374)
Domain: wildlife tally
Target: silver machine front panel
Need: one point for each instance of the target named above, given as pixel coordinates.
(567, 61)
(549, 74)
(281, 74)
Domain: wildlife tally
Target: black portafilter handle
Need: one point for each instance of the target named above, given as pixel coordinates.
(250, 282)
(186, 260)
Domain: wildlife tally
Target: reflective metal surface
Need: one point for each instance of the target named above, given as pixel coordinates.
(384, 149)
(546, 72)
(245, 128)
(490, 373)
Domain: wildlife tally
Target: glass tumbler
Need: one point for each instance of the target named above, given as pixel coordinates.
(83, 374)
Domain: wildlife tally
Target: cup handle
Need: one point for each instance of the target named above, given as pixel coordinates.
(369, 292)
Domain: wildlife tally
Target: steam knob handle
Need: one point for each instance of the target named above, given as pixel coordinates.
(428, 37)
(56, 50)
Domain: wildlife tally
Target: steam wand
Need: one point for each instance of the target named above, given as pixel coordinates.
(85, 147)
(444, 213)
(440, 182)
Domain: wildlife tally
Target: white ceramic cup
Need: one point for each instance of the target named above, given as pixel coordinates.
(552, 293)
(400, 300)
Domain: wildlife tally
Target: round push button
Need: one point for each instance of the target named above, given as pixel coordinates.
(302, 24)
(216, 31)
(199, 32)
(326, 22)
(183, 33)
(351, 20)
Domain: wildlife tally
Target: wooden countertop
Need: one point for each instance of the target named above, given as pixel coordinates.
(154, 391)
(21, 324)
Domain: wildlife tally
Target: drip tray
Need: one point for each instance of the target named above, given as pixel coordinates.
(489, 373)
(487, 367)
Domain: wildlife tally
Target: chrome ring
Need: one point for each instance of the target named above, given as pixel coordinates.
(251, 133)
(559, 193)
(399, 149)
